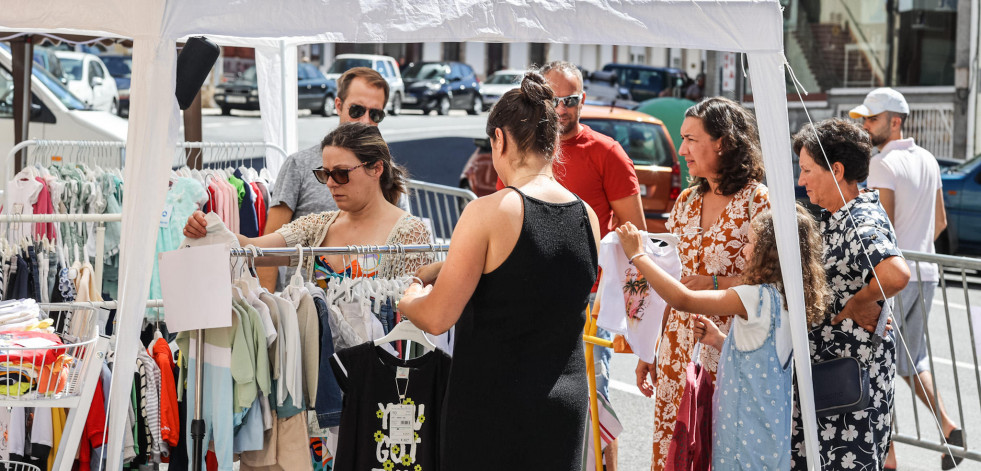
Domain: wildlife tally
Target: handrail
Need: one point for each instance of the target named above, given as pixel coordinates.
(879, 69)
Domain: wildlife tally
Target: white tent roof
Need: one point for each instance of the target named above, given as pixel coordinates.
(275, 27)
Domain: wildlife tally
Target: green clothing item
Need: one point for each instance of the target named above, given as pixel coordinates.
(239, 187)
(243, 376)
(258, 344)
(250, 360)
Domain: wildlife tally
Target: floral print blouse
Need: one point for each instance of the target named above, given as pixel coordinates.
(856, 238)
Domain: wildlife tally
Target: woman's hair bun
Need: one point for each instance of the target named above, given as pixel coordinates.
(535, 89)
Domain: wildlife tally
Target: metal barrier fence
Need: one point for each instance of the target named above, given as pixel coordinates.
(440, 205)
(931, 124)
(952, 357)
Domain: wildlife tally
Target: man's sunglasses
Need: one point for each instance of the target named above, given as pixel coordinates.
(374, 114)
(570, 101)
(341, 176)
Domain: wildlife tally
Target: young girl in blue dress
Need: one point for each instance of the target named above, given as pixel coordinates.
(751, 408)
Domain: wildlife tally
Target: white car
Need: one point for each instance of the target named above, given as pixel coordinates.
(89, 79)
(384, 65)
(55, 112)
(498, 84)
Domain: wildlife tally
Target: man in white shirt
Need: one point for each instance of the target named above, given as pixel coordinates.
(908, 180)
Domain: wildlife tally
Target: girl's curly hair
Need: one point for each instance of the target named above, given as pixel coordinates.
(764, 266)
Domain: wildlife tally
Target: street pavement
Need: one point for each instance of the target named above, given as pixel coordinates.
(435, 148)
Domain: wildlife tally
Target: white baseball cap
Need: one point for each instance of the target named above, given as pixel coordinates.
(878, 101)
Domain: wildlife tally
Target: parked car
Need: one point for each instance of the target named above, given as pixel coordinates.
(46, 58)
(315, 92)
(498, 84)
(962, 200)
(121, 68)
(55, 112)
(442, 86)
(644, 139)
(89, 79)
(604, 88)
(384, 65)
(645, 82)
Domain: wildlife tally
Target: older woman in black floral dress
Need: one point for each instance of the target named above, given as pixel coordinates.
(857, 238)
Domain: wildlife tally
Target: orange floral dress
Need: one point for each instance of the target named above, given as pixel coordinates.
(716, 252)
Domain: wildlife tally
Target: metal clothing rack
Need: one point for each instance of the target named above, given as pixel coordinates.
(100, 231)
(197, 424)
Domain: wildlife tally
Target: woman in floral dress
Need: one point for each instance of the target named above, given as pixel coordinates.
(857, 237)
(720, 143)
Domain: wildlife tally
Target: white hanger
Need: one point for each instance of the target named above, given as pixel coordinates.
(407, 331)
(297, 280)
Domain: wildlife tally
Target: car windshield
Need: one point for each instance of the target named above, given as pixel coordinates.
(49, 81)
(119, 66)
(503, 79)
(72, 67)
(426, 71)
(644, 143)
(965, 167)
(342, 65)
(249, 75)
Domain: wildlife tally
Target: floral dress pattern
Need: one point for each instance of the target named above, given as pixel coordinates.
(857, 440)
(716, 252)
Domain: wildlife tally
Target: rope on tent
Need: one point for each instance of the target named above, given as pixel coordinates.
(865, 250)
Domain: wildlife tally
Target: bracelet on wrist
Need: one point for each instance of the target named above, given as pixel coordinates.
(715, 282)
(631, 260)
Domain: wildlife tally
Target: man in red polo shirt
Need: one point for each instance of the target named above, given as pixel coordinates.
(595, 168)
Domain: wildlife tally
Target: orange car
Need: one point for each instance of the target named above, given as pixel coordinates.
(644, 138)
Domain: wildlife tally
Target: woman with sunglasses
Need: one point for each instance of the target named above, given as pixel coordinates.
(366, 185)
(515, 283)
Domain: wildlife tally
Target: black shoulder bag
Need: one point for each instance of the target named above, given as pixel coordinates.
(841, 385)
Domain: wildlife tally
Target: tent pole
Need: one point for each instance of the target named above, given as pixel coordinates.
(22, 53)
(193, 133)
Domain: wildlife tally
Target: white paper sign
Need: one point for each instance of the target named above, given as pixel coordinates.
(196, 287)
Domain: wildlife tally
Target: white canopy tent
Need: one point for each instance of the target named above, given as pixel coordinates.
(275, 28)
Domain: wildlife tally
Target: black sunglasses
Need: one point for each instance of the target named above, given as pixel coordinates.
(569, 101)
(374, 114)
(340, 175)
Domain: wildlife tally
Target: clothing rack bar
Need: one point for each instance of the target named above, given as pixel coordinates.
(353, 249)
(114, 217)
(92, 305)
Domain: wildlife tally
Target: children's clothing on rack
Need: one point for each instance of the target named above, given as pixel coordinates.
(628, 305)
(391, 417)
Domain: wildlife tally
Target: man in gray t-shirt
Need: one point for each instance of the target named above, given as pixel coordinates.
(297, 192)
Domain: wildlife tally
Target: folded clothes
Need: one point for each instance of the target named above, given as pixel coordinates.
(38, 351)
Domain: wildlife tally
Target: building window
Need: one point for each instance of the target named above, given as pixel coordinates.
(539, 51)
(870, 43)
(451, 51)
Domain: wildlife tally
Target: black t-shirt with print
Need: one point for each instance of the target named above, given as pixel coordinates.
(379, 431)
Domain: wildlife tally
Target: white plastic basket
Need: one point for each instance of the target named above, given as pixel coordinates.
(43, 374)
(15, 466)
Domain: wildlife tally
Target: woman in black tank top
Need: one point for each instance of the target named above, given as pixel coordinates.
(515, 284)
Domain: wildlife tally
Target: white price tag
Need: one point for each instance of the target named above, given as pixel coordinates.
(402, 373)
(165, 215)
(400, 422)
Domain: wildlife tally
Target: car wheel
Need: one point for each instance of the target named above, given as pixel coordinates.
(444, 106)
(226, 111)
(114, 107)
(327, 107)
(397, 104)
(477, 106)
